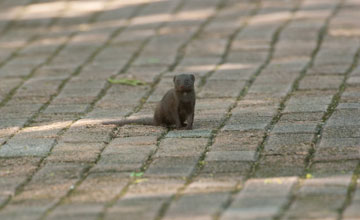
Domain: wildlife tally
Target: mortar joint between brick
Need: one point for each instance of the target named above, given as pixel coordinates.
(229, 43)
(150, 156)
(275, 119)
(86, 172)
(237, 189)
(19, 14)
(69, 192)
(180, 54)
(294, 88)
(137, 54)
(332, 107)
(350, 191)
(33, 39)
(282, 104)
(20, 188)
(293, 193)
(37, 67)
(227, 116)
(108, 205)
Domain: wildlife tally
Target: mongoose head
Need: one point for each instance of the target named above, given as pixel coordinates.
(184, 82)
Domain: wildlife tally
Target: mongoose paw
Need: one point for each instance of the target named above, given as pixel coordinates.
(188, 127)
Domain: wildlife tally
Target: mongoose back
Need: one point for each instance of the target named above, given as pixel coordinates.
(175, 108)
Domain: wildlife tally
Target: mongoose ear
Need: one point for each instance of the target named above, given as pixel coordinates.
(192, 77)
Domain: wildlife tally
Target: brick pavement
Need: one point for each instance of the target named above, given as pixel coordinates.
(276, 132)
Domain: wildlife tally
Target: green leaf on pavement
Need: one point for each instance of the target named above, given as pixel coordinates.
(141, 180)
(309, 176)
(136, 174)
(124, 81)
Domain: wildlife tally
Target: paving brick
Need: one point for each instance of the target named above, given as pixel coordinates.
(307, 104)
(45, 130)
(288, 144)
(352, 131)
(14, 171)
(56, 173)
(246, 127)
(233, 71)
(237, 119)
(136, 207)
(19, 111)
(211, 184)
(172, 166)
(245, 121)
(144, 199)
(124, 158)
(8, 131)
(56, 118)
(153, 186)
(189, 134)
(26, 147)
(197, 205)
(237, 168)
(86, 201)
(301, 116)
(273, 90)
(76, 211)
(25, 211)
(237, 141)
(320, 198)
(3, 199)
(353, 81)
(255, 108)
(327, 69)
(47, 185)
(222, 88)
(352, 211)
(281, 165)
(321, 82)
(338, 149)
(347, 117)
(260, 198)
(350, 95)
(75, 108)
(348, 106)
(213, 104)
(322, 169)
(86, 134)
(75, 152)
(134, 140)
(231, 156)
(63, 73)
(134, 129)
(181, 147)
(299, 127)
(127, 154)
(8, 84)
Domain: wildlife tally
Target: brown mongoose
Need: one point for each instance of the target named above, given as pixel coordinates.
(175, 108)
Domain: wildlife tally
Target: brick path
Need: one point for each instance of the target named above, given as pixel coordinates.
(277, 123)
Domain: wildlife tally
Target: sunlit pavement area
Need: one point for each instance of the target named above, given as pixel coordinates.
(277, 121)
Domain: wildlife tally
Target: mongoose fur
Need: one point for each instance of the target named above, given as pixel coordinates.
(175, 108)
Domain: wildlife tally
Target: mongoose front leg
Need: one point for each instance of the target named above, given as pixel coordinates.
(176, 118)
(190, 120)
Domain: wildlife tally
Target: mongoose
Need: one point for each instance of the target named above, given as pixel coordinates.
(176, 107)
